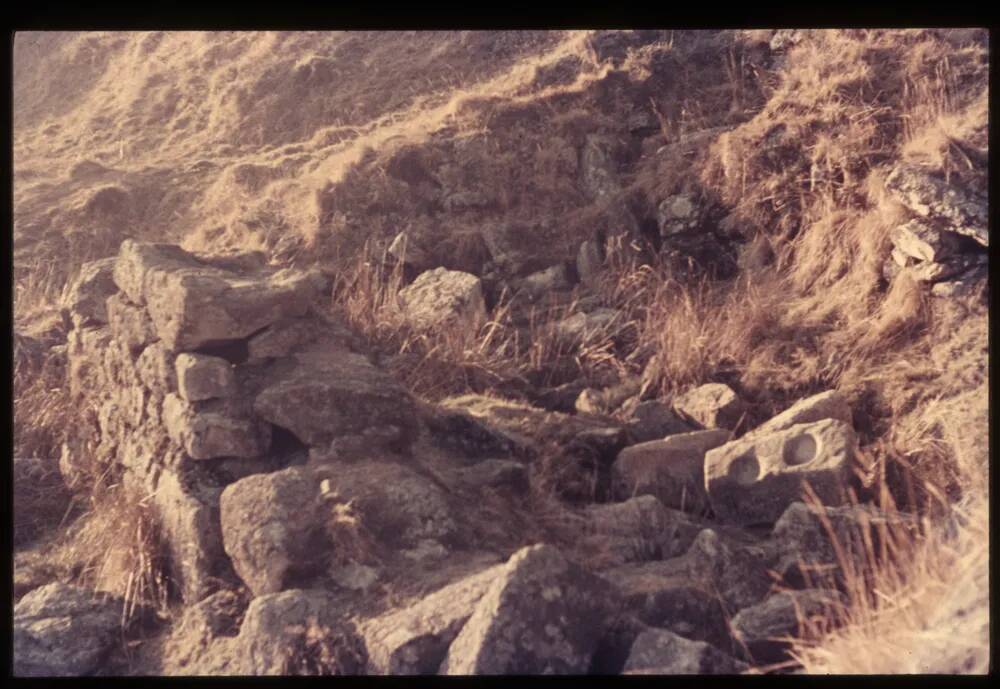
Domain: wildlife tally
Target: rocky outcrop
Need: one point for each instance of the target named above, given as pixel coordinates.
(950, 207)
(541, 615)
(638, 529)
(64, 631)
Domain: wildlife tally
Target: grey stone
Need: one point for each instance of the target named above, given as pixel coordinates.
(157, 370)
(202, 377)
(763, 628)
(194, 303)
(929, 196)
(583, 328)
(672, 469)
(661, 652)
(753, 479)
(923, 242)
(442, 298)
(273, 528)
(415, 639)
(713, 405)
(326, 392)
(589, 262)
(298, 632)
(86, 296)
(541, 615)
(129, 323)
(825, 405)
(678, 214)
(64, 631)
(497, 473)
(654, 420)
(638, 529)
(544, 282)
(207, 430)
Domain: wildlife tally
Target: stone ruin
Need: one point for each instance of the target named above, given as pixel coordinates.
(258, 427)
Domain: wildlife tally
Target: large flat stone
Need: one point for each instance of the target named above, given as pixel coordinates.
(194, 303)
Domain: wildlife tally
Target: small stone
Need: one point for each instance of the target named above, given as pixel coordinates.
(661, 652)
(763, 628)
(444, 298)
(711, 406)
(203, 377)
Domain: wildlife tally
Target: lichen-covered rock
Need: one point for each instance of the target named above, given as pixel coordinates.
(678, 214)
(327, 392)
(713, 405)
(738, 572)
(157, 370)
(442, 298)
(753, 479)
(215, 428)
(459, 430)
(415, 640)
(672, 469)
(541, 615)
(638, 529)
(763, 629)
(202, 377)
(930, 196)
(272, 527)
(661, 652)
(194, 303)
(923, 242)
(85, 298)
(64, 631)
(298, 632)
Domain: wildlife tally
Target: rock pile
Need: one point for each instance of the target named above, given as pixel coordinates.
(279, 458)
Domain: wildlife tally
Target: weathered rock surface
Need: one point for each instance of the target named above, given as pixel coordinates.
(678, 214)
(86, 296)
(215, 428)
(589, 262)
(923, 242)
(298, 632)
(64, 631)
(763, 628)
(194, 303)
(672, 469)
(544, 282)
(639, 529)
(273, 528)
(442, 298)
(541, 615)
(415, 640)
(475, 437)
(130, 323)
(672, 600)
(662, 652)
(711, 406)
(328, 392)
(931, 197)
(654, 420)
(753, 479)
(496, 473)
(825, 405)
(202, 377)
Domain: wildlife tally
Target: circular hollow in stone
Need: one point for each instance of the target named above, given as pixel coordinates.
(801, 450)
(744, 470)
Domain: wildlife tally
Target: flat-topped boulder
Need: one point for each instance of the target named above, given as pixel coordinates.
(196, 302)
(323, 392)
